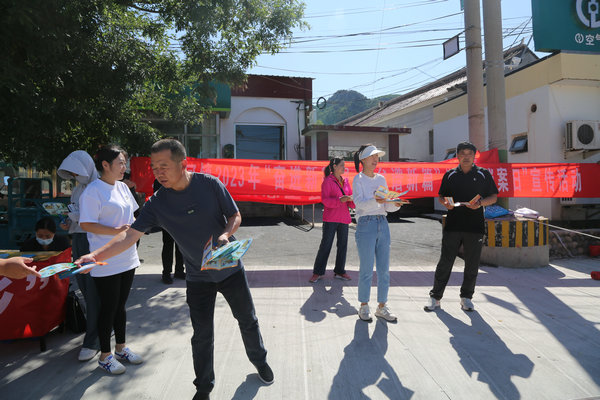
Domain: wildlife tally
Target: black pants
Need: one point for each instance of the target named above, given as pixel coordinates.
(167, 254)
(451, 241)
(113, 292)
(329, 231)
(201, 301)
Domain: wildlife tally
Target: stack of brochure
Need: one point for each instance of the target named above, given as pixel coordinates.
(390, 196)
(66, 270)
(226, 256)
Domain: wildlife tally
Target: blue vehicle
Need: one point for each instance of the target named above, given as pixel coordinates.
(23, 201)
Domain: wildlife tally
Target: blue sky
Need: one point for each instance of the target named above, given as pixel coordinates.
(382, 47)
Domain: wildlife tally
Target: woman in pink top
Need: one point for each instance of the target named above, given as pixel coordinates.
(336, 196)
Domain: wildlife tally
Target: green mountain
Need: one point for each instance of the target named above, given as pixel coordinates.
(346, 103)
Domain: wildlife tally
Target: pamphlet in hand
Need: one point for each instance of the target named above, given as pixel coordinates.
(390, 196)
(450, 201)
(65, 270)
(226, 256)
(472, 202)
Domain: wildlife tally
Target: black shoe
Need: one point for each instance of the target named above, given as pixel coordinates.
(166, 279)
(201, 396)
(265, 374)
(179, 275)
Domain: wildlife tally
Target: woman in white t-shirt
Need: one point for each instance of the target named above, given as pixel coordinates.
(372, 232)
(106, 209)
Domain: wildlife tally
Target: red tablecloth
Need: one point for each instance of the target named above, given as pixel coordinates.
(31, 307)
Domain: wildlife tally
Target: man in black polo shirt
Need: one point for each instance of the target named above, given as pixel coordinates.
(470, 188)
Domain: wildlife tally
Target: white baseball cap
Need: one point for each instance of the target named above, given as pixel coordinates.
(369, 151)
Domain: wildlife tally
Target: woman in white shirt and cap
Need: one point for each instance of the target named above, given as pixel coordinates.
(372, 232)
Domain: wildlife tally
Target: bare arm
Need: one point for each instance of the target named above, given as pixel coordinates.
(233, 223)
(15, 268)
(100, 229)
(488, 201)
(121, 242)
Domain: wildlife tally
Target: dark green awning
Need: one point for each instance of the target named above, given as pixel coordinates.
(223, 101)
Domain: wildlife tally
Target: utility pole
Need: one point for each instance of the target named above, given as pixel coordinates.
(494, 71)
(474, 73)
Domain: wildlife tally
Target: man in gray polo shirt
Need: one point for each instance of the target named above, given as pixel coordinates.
(192, 207)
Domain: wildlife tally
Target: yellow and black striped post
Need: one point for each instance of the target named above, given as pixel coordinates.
(515, 242)
(516, 233)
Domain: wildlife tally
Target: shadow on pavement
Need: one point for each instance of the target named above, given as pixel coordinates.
(323, 301)
(364, 365)
(576, 334)
(299, 278)
(481, 351)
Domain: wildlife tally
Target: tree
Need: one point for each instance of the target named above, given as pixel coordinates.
(79, 73)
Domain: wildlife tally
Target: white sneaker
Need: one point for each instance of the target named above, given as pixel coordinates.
(127, 354)
(432, 304)
(466, 304)
(86, 354)
(364, 313)
(385, 313)
(111, 365)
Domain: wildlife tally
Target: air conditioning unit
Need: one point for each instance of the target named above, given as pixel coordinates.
(582, 135)
(579, 201)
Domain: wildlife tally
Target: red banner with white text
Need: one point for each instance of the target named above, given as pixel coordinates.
(32, 307)
(299, 182)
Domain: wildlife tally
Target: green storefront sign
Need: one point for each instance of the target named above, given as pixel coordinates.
(566, 25)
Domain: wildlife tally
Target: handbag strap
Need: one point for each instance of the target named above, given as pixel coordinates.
(340, 186)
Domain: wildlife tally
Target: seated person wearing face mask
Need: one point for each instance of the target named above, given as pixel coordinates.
(46, 238)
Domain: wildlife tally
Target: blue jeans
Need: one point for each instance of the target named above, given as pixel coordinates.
(329, 231)
(373, 244)
(201, 301)
(80, 247)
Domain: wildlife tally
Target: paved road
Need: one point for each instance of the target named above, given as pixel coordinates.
(415, 241)
(535, 333)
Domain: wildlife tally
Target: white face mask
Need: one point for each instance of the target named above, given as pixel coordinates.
(44, 242)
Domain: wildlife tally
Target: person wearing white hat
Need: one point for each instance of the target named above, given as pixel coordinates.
(372, 232)
(80, 166)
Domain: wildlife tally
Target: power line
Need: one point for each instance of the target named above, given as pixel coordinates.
(371, 10)
(401, 45)
(379, 44)
(402, 87)
(330, 73)
(394, 80)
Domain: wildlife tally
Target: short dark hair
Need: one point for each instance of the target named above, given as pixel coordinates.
(107, 153)
(177, 149)
(466, 146)
(46, 223)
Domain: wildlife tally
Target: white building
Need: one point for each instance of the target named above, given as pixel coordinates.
(541, 97)
(262, 120)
